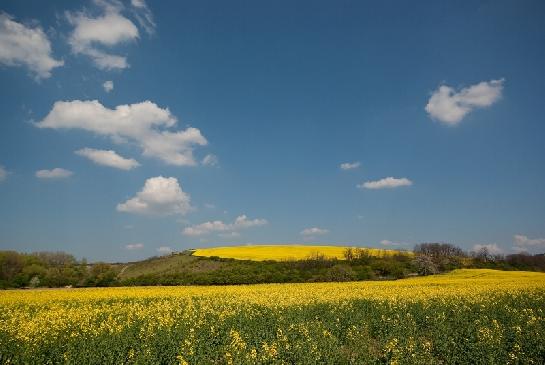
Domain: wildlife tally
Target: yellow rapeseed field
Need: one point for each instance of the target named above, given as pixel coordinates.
(466, 316)
(283, 252)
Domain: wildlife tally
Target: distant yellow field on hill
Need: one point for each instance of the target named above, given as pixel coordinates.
(282, 252)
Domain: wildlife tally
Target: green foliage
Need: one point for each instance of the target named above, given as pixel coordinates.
(184, 269)
(51, 269)
(58, 269)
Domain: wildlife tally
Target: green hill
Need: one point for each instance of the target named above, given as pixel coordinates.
(186, 268)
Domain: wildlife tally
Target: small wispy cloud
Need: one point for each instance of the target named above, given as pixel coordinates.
(3, 173)
(108, 158)
(164, 250)
(386, 183)
(312, 232)
(210, 160)
(134, 246)
(143, 16)
(56, 173)
(393, 243)
(108, 86)
(220, 227)
(350, 165)
(229, 234)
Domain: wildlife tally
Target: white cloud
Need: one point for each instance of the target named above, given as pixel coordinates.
(314, 231)
(159, 196)
(56, 173)
(350, 165)
(92, 34)
(108, 86)
(492, 248)
(144, 123)
(134, 246)
(388, 182)
(210, 160)
(523, 243)
(26, 46)
(108, 158)
(392, 243)
(240, 223)
(450, 107)
(164, 250)
(143, 15)
(229, 235)
(3, 173)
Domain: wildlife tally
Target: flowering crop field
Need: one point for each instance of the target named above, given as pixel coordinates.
(467, 316)
(284, 252)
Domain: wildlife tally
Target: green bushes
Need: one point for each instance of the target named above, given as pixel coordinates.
(51, 269)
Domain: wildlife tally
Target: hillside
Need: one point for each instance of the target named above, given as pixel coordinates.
(266, 264)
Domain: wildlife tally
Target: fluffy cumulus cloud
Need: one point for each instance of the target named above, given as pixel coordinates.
(145, 124)
(108, 86)
(350, 165)
(491, 248)
(108, 158)
(134, 246)
(159, 196)
(533, 245)
(450, 106)
(56, 173)
(26, 46)
(3, 173)
(224, 229)
(386, 183)
(95, 35)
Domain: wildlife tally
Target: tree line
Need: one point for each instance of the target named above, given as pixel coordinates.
(51, 269)
(59, 269)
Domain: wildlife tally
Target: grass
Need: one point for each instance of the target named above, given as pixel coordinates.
(282, 252)
(170, 264)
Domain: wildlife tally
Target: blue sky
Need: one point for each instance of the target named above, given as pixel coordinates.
(228, 122)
